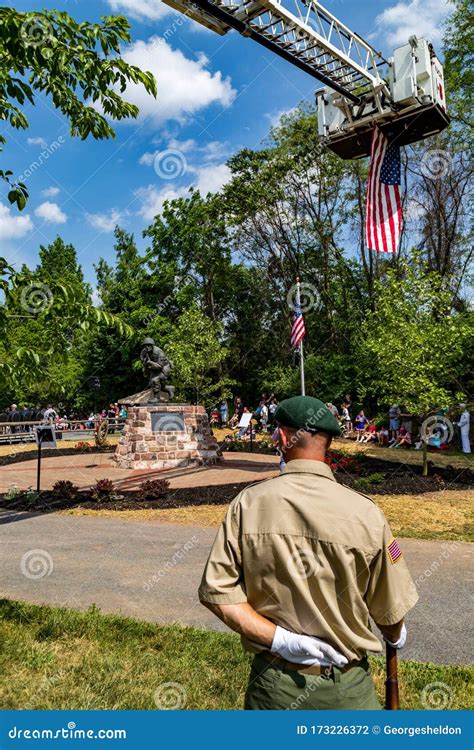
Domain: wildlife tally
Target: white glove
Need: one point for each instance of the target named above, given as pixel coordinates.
(304, 649)
(401, 641)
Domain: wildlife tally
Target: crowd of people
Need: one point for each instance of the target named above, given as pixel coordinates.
(263, 416)
(20, 418)
(397, 430)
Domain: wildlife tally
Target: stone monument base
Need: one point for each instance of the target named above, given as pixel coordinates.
(166, 436)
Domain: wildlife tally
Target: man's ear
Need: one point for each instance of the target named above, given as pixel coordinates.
(282, 438)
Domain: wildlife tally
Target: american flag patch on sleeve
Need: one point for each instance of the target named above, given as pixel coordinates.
(394, 551)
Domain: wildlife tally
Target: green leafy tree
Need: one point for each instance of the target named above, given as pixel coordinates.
(46, 314)
(77, 65)
(126, 292)
(196, 350)
(289, 204)
(412, 348)
(458, 49)
(190, 244)
(79, 68)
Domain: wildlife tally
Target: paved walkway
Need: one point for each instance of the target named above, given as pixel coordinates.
(84, 470)
(76, 561)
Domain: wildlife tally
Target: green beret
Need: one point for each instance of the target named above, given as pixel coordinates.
(307, 413)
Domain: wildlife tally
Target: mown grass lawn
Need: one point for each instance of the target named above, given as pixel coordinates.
(62, 659)
(444, 515)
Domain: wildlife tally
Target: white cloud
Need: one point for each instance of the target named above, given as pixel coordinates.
(184, 86)
(208, 178)
(37, 142)
(12, 226)
(51, 192)
(105, 222)
(421, 17)
(184, 146)
(149, 10)
(276, 116)
(214, 151)
(51, 213)
(147, 158)
(152, 199)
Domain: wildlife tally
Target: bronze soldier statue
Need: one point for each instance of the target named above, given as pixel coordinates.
(157, 368)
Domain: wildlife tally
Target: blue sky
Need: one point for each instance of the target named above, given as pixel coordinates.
(215, 96)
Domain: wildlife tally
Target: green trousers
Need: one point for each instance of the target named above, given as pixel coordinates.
(273, 687)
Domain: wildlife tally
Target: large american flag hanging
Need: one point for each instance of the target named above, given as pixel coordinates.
(384, 207)
(297, 329)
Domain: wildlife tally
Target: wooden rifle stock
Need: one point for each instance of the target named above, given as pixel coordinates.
(392, 701)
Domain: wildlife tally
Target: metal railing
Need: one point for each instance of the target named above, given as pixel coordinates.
(19, 431)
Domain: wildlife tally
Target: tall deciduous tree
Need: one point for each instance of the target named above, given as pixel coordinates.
(77, 65)
(47, 311)
(196, 351)
(412, 349)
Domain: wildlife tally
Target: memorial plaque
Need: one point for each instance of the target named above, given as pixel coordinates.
(167, 421)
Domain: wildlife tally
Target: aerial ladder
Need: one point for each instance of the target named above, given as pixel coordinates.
(404, 95)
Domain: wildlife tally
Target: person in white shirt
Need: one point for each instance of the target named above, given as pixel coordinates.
(464, 426)
(264, 417)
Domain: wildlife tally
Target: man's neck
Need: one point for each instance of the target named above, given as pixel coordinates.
(304, 456)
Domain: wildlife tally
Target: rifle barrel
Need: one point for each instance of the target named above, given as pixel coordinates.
(392, 699)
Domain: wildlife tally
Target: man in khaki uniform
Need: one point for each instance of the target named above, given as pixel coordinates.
(297, 567)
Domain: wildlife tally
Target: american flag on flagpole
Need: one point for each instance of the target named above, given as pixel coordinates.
(384, 206)
(297, 329)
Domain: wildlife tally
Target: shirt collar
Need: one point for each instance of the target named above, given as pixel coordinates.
(308, 466)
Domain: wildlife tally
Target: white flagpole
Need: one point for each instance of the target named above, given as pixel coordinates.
(298, 299)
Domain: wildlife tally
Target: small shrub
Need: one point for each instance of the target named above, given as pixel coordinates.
(364, 483)
(30, 496)
(104, 447)
(152, 489)
(340, 462)
(12, 492)
(243, 446)
(103, 490)
(65, 490)
(376, 478)
(83, 447)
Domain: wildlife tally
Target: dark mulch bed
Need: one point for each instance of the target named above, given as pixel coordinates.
(179, 498)
(389, 479)
(404, 471)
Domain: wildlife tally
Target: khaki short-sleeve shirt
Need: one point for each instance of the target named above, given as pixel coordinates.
(312, 556)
